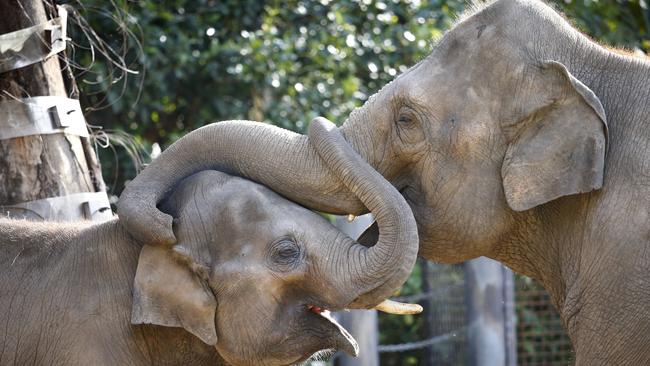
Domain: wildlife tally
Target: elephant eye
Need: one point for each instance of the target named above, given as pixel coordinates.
(406, 117)
(285, 254)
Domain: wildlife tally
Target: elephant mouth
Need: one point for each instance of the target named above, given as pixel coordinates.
(341, 339)
(318, 335)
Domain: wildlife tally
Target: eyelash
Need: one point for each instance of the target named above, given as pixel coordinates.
(285, 254)
(405, 115)
(404, 119)
(409, 118)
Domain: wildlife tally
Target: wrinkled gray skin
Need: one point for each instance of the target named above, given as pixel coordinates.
(499, 140)
(247, 265)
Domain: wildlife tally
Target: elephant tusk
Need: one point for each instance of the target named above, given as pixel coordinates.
(351, 217)
(394, 307)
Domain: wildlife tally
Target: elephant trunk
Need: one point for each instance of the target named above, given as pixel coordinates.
(373, 273)
(282, 160)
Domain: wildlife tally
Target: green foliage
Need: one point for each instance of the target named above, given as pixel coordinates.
(282, 62)
(620, 23)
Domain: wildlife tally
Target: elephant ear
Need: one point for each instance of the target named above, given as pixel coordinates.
(169, 292)
(558, 148)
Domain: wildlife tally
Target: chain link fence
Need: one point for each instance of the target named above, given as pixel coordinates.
(439, 335)
(541, 338)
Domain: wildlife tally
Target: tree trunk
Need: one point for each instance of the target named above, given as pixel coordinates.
(42, 166)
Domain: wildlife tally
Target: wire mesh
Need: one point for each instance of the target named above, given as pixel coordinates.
(439, 335)
(541, 338)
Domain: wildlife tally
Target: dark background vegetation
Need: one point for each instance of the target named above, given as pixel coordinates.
(168, 67)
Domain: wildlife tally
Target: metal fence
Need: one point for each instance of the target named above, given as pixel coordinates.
(439, 335)
(541, 339)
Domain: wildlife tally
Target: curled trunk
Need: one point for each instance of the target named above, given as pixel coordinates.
(321, 172)
(374, 272)
(282, 160)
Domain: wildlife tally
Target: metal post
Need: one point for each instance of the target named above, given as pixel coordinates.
(509, 308)
(490, 313)
(362, 324)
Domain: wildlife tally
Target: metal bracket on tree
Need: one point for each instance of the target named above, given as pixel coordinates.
(40, 116)
(78, 206)
(34, 44)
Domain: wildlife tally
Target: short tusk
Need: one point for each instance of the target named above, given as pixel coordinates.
(351, 217)
(394, 307)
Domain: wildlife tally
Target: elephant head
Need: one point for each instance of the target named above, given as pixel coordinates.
(487, 128)
(252, 273)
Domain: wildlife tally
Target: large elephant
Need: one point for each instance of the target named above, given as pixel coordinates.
(251, 275)
(500, 141)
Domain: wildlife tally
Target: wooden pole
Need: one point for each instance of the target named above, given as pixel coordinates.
(42, 166)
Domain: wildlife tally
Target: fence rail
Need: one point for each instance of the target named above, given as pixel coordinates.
(421, 344)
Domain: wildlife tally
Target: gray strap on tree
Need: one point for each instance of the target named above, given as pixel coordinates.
(34, 44)
(40, 116)
(73, 207)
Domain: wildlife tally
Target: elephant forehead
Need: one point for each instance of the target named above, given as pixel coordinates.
(259, 209)
(415, 84)
(247, 220)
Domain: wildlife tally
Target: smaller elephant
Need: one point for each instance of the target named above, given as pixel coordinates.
(250, 276)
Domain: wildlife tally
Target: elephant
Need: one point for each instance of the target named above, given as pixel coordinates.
(517, 138)
(250, 280)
